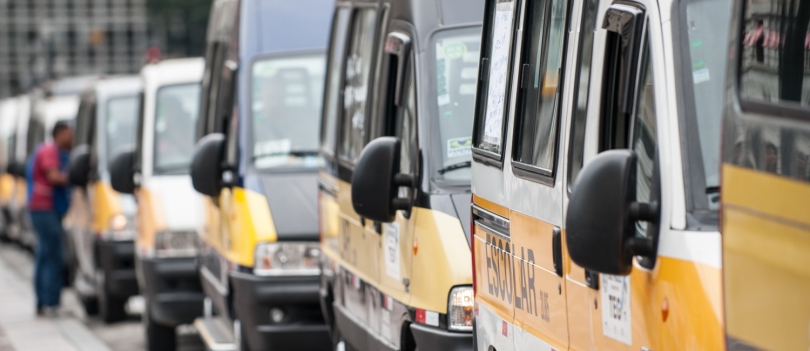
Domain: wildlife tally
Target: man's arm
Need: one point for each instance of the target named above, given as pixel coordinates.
(49, 161)
(56, 178)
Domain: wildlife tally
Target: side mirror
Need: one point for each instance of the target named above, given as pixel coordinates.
(206, 166)
(602, 215)
(122, 172)
(79, 167)
(376, 180)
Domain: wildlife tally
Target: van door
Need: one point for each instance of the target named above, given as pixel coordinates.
(766, 180)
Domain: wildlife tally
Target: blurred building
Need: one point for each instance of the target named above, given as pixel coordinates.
(42, 39)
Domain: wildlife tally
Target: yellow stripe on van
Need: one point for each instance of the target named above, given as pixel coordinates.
(151, 219)
(106, 203)
(6, 188)
(250, 223)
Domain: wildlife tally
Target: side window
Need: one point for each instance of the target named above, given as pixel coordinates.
(583, 84)
(495, 70)
(337, 50)
(407, 129)
(356, 85)
(536, 141)
(645, 141)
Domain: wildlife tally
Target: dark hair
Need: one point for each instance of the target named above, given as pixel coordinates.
(59, 127)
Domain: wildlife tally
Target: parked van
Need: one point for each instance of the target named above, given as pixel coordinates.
(395, 188)
(19, 221)
(596, 175)
(8, 119)
(766, 178)
(100, 221)
(169, 212)
(257, 163)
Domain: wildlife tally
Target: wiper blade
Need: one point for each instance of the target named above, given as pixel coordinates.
(296, 153)
(455, 166)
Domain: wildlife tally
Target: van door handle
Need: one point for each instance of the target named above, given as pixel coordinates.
(556, 243)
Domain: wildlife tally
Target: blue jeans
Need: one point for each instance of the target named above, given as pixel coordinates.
(48, 269)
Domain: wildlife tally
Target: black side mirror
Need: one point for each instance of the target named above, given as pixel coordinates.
(206, 167)
(122, 172)
(602, 213)
(79, 167)
(375, 181)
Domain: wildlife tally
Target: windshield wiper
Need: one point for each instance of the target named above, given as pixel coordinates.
(296, 153)
(455, 166)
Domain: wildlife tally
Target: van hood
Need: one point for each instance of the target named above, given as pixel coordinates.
(293, 204)
(182, 206)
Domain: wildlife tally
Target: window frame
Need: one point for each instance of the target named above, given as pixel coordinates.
(521, 169)
(330, 154)
(486, 157)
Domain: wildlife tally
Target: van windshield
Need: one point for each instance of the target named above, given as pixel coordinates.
(456, 74)
(705, 26)
(286, 109)
(175, 118)
(122, 114)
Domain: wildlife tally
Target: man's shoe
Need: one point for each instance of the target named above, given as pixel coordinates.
(51, 312)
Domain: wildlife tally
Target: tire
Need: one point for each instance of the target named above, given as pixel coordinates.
(158, 337)
(110, 308)
(90, 305)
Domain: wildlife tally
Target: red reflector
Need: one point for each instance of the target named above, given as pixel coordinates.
(420, 316)
(505, 329)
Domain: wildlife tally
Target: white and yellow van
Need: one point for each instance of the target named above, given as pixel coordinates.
(8, 119)
(596, 176)
(100, 222)
(169, 211)
(395, 188)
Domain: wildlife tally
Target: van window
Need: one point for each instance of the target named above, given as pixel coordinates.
(496, 63)
(645, 140)
(583, 85)
(122, 115)
(286, 105)
(356, 86)
(537, 122)
(457, 53)
(175, 116)
(337, 50)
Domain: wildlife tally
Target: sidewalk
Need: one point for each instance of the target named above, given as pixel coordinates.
(21, 330)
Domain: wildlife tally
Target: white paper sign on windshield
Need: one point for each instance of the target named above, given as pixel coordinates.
(498, 71)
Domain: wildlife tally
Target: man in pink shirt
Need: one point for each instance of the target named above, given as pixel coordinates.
(48, 201)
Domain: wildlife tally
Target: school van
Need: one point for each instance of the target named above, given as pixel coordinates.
(19, 152)
(395, 187)
(596, 176)
(100, 222)
(169, 212)
(256, 161)
(8, 119)
(765, 178)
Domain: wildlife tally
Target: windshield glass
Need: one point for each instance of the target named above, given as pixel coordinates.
(122, 114)
(286, 110)
(456, 75)
(704, 32)
(175, 119)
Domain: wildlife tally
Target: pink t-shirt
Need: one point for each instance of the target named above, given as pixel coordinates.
(46, 159)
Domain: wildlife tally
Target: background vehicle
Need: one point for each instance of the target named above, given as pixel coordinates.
(623, 253)
(394, 218)
(8, 119)
(765, 175)
(257, 161)
(19, 219)
(101, 221)
(169, 211)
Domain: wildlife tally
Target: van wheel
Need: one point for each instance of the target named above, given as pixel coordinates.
(158, 337)
(110, 308)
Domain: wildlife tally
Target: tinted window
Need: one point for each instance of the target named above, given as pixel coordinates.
(456, 55)
(286, 105)
(540, 83)
(645, 142)
(358, 69)
(122, 115)
(583, 84)
(337, 49)
(175, 117)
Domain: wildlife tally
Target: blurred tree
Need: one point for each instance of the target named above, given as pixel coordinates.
(178, 27)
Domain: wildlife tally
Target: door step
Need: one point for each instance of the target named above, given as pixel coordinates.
(216, 333)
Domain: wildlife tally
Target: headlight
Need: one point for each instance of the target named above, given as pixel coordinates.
(287, 258)
(176, 244)
(460, 309)
(120, 228)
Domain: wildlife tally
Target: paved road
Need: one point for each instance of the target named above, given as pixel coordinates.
(78, 331)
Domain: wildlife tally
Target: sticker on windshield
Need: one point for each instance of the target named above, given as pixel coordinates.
(458, 147)
(498, 71)
(391, 239)
(615, 291)
(455, 51)
(700, 73)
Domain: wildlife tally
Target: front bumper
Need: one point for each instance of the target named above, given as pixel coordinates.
(302, 327)
(172, 289)
(117, 260)
(430, 339)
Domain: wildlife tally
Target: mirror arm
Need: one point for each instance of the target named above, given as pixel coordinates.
(643, 211)
(406, 180)
(640, 247)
